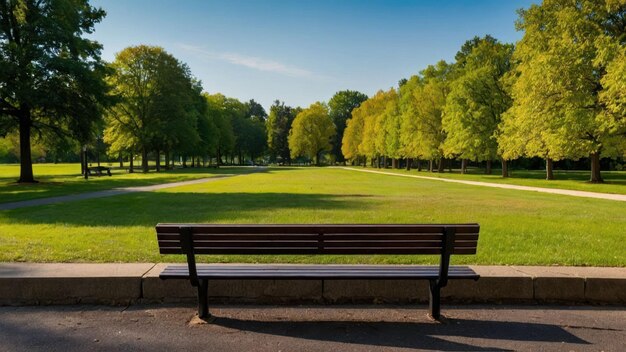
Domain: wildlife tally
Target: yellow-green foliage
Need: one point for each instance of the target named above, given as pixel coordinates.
(569, 82)
(311, 132)
(477, 101)
(422, 101)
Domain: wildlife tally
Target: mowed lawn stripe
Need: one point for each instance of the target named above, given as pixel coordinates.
(517, 227)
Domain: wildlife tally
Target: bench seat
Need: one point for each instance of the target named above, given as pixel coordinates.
(313, 272)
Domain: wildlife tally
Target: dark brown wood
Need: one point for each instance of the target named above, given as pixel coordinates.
(410, 239)
(310, 237)
(315, 228)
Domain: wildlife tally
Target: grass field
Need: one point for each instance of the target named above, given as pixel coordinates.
(614, 181)
(62, 179)
(517, 227)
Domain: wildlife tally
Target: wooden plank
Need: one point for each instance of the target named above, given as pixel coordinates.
(317, 228)
(315, 237)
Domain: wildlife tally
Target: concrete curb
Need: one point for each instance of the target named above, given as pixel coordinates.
(34, 284)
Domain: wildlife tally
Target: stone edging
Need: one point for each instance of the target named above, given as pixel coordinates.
(27, 284)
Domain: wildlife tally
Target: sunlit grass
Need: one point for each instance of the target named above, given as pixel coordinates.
(615, 181)
(63, 179)
(517, 227)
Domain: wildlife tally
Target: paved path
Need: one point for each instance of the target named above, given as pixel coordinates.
(312, 328)
(609, 196)
(105, 193)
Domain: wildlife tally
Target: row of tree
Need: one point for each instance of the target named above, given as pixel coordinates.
(159, 107)
(558, 94)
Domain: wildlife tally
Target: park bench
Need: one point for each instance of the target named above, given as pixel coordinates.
(98, 170)
(195, 239)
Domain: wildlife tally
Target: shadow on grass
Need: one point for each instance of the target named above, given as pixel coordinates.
(150, 208)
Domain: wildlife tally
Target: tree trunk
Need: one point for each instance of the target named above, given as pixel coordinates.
(84, 152)
(408, 164)
(596, 176)
(441, 165)
(121, 161)
(505, 168)
(131, 161)
(488, 168)
(26, 161)
(167, 160)
(144, 160)
(158, 161)
(394, 163)
(463, 166)
(82, 161)
(549, 173)
(430, 165)
(419, 165)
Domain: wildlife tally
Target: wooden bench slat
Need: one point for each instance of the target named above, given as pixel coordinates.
(315, 237)
(312, 244)
(301, 250)
(315, 229)
(316, 271)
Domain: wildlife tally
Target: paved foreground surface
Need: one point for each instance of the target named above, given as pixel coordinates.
(315, 328)
(567, 192)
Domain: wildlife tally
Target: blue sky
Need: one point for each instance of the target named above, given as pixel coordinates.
(304, 51)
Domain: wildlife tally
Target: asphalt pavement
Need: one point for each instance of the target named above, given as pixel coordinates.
(312, 328)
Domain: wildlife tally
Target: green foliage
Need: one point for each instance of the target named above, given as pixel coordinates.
(341, 106)
(312, 132)
(422, 101)
(477, 100)
(567, 74)
(278, 126)
(157, 103)
(220, 113)
(372, 140)
(51, 76)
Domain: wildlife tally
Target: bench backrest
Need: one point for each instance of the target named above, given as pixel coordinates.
(317, 239)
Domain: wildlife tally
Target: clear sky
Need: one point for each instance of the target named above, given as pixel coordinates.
(302, 51)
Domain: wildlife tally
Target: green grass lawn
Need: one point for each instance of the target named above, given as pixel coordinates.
(614, 181)
(517, 227)
(63, 179)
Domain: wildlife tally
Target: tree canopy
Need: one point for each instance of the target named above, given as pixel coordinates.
(341, 106)
(312, 133)
(51, 75)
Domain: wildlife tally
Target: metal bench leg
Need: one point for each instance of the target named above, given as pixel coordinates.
(203, 299)
(435, 300)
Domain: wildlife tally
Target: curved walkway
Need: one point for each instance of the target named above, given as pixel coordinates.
(567, 192)
(105, 193)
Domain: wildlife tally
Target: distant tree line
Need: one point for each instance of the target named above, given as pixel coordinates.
(558, 94)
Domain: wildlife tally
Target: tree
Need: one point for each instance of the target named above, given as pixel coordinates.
(220, 117)
(341, 106)
(255, 111)
(422, 101)
(565, 70)
(476, 102)
(278, 126)
(155, 102)
(311, 133)
(372, 140)
(51, 77)
(389, 136)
